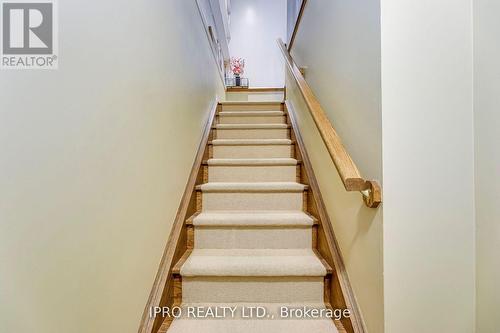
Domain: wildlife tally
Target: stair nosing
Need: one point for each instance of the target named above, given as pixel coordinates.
(251, 126)
(299, 219)
(251, 114)
(251, 142)
(252, 187)
(252, 162)
(251, 102)
(259, 161)
(316, 266)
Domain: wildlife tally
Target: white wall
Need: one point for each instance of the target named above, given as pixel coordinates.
(94, 159)
(339, 42)
(487, 134)
(428, 166)
(292, 13)
(255, 26)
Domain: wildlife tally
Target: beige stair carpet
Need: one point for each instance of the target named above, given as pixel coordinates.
(252, 170)
(252, 238)
(239, 324)
(252, 131)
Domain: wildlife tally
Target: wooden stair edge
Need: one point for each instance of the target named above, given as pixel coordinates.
(338, 324)
(163, 292)
(326, 242)
(177, 267)
(189, 220)
(329, 269)
(315, 220)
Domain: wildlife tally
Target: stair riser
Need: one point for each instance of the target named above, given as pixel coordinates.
(280, 173)
(251, 119)
(256, 290)
(252, 201)
(264, 151)
(253, 237)
(252, 133)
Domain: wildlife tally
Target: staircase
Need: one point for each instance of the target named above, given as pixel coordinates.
(252, 241)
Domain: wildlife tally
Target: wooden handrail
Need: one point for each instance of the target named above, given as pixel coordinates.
(349, 173)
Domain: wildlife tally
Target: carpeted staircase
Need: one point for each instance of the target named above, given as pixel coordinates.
(253, 241)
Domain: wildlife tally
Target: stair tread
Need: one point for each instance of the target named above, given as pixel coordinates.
(253, 263)
(251, 113)
(250, 142)
(252, 187)
(252, 161)
(253, 218)
(251, 102)
(238, 324)
(252, 126)
(252, 326)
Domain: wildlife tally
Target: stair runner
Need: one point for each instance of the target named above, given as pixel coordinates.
(252, 239)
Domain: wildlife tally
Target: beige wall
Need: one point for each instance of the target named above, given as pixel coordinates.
(94, 159)
(428, 164)
(487, 153)
(339, 42)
